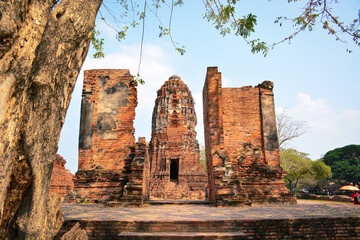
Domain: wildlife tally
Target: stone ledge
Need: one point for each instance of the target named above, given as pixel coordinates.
(182, 235)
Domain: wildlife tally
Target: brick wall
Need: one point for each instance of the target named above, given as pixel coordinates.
(108, 106)
(306, 228)
(135, 192)
(241, 143)
(213, 120)
(106, 139)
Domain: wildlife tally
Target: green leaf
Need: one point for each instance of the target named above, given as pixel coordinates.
(97, 43)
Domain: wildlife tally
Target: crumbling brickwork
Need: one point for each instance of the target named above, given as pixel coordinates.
(135, 192)
(175, 172)
(241, 142)
(106, 140)
(61, 178)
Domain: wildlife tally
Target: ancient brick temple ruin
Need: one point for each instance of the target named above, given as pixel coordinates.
(61, 178)
(242, 150)
(110, 163)
(175, 169)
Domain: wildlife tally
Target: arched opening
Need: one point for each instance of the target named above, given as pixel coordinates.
(175, 102)
(174, 120)
(174, 170)
(174, 123)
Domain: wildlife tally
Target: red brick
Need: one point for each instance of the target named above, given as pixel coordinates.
(173, 143)
(241, 152)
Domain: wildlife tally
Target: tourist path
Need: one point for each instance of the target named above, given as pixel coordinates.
(202, 212)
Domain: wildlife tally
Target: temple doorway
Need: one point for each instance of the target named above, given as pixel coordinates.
(174, 170)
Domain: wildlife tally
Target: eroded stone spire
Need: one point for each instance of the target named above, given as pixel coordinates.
(176, 172)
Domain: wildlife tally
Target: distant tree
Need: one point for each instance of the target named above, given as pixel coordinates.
(302, 171)
(345, 164)
(288, 128)
(203, 157)
(297, 166)
(318, 177)
(320, 170)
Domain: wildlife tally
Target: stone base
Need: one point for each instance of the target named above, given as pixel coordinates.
(265, 184)
(304, 228)
(95, 186)
(186, 188)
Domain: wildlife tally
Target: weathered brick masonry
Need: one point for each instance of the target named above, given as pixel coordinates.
(106, 140)
(304, 228)
(240, 136)
(176, 172)
(61, 178)
(241, 142)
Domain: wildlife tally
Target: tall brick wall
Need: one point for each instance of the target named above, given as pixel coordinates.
(213, 133)
(241, 143)
(175, 169)
(108, 106)
(106, 140)
(268, 124)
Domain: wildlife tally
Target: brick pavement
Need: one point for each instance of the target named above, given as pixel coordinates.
(304, 209)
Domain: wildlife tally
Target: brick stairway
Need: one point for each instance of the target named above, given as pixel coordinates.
(134, 230)
(305, 220)
(183, 230)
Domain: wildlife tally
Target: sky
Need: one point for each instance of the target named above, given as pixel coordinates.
(315, 79)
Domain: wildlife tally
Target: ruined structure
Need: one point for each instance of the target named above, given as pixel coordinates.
(242, 151)
(241, 142)
(106, 141)
(61, 178)
(175, 169)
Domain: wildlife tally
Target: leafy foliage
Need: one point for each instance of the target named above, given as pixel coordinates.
(302, 171)
(131, 15)
(318, 178)
(297, 166)
(320, 170)
(345, 163)
(97, 43)
(321, 12)
(203, 157)
(222, 13)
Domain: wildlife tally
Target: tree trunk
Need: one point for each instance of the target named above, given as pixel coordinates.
(43, 44)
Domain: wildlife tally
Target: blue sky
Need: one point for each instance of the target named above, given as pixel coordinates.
(315, 79)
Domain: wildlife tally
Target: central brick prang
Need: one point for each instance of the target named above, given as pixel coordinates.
(175, 172)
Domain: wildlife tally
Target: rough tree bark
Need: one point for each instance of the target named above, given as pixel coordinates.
(43, 44)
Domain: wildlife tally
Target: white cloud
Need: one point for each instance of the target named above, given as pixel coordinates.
(329, 129)
(225, 82)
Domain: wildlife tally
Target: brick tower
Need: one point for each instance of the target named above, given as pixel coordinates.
(175, 169)
(242, 149)
(106, 140)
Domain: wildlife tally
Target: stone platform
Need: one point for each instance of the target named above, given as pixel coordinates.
(305, 220)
